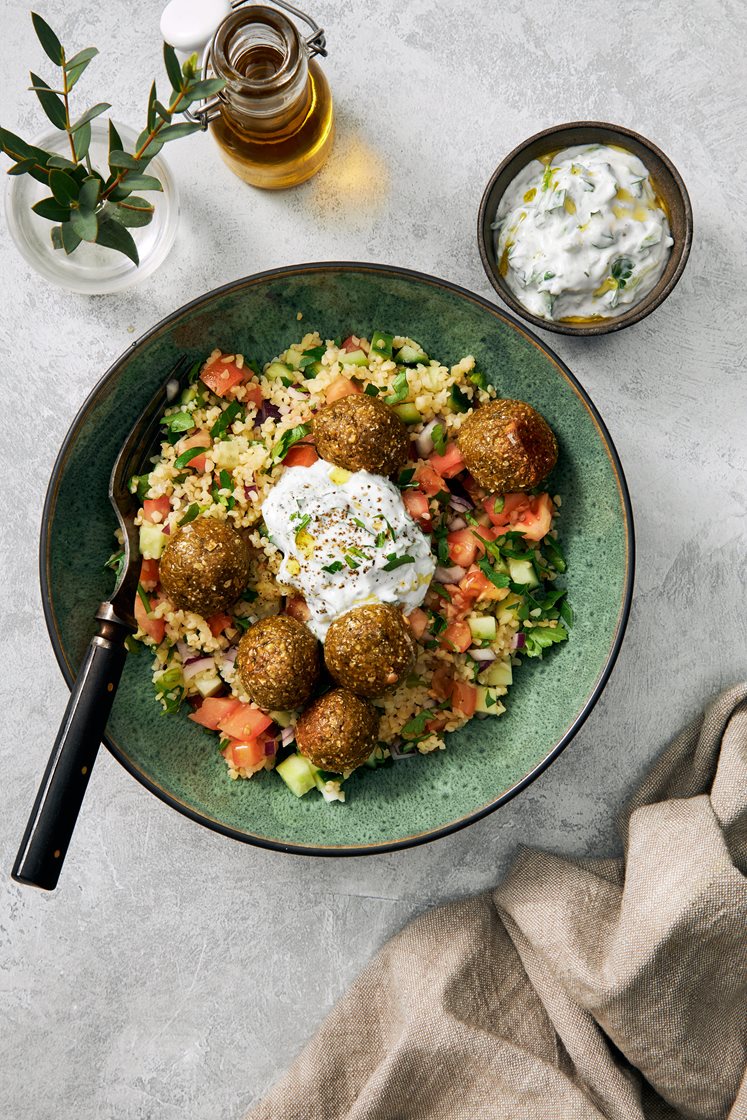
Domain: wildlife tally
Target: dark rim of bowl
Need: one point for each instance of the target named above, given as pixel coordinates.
(453, 826)
(638, 311)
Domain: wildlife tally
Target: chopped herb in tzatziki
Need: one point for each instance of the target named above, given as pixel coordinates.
(582, 234)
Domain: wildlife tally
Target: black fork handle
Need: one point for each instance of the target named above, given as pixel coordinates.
(52, 821)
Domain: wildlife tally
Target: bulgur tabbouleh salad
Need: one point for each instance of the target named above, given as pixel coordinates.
(345, 555)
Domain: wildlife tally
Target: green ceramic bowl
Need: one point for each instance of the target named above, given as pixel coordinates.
(488, 761)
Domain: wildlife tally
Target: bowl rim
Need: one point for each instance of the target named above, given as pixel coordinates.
(105, 383)
(638, 311)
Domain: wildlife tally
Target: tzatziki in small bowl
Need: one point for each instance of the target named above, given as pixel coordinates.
(585, 228)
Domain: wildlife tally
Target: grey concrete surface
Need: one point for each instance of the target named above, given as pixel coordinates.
(177, 973)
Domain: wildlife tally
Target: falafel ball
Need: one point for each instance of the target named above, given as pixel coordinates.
(205, 566)
(338, 731)
(361, 433)
(507, 445)
(370, 649)
(278, 662)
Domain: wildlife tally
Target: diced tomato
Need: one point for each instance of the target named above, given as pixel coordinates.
(254, 395)
(149, 574)
(198, 439)
(160, 505)
(245, 754)
(301, 455)
(219, 622)
(244, 723)
(429, 481)
(298, 608)
(438, 723)
(416, 504)
(442, 680)
(523, 513)
(477, 586)
(350, 344)
(418, 622)
(464, 547)
(213, 709)
(222, 376)
(459, 605)
(155, 628)
(448, 464)
(457, 637)
(342, 387)
(464, 698)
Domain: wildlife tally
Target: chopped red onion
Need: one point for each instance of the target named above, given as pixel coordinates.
(461, 505)
(267, 411)
(483, 654)
(287, 736)
(424, 442)
(457, 523)
(166, 529)
(186, 652)
(196, 665)
(450, 575)
(270, 745)
(518, 641)
(397, 754)
(230, 654)
(250, 492)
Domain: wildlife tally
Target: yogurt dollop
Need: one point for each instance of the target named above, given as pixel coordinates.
(582, 235)
(347, 540)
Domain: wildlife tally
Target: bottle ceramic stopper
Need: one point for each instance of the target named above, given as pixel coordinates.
(189, 25)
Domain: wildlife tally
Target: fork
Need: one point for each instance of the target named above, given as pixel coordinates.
(60, 796)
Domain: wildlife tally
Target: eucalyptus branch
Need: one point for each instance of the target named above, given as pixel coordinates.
(86, 204)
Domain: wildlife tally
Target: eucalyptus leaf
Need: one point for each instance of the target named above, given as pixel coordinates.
(134, 212)
(151, 110)
(115, 140)
(18, 150)
(152, 149)
(61, 161)
(162, 111)
(53, 106)
(85, 223)
(90, 114)
(75, 74)
(56, 233)
(52, 210)
(88, 195)
(82, 141)
(82, 56)
(49, 41)
(70, 239)
(63, 186)
(22, 167)
(124, 160)
(171, 62)
(175, 131)
(135, 182)
(199, 90)
(113, 235)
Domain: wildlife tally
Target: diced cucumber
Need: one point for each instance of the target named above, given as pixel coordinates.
(381, 344)
(283, 719)
(277, 370)
(411, 354)
(408, 413)
(292, 358)
(353, 358)
(313, 370)
(225, 454)
(499, 675)
(191, 393)
(297, 773)
(152, 541)
(483, 628)
(521, 571)
(208, 683)
(488, 702)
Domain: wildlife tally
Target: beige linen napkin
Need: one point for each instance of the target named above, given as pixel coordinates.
(589, 990)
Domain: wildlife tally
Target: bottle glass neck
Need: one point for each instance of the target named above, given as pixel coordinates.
(264, 62)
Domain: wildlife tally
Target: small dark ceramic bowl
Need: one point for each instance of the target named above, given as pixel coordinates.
(488, 761)
(669, 185)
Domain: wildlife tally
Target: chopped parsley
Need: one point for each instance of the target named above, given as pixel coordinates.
(226, 418)
(415, 727)
(499, 579)
(438, 435)
(249, 595)
(242, 623)
(192, 512)
(336, 566)
(400, 387)
(351, 563)
(286, 441)
(140, 485)
(622, 270)
(143, 596)
(302, 524)
(405, 478)
(394, 561)
(310, 358)
(116, 562)
(478, 378)
(539, 638)
(440, 590)
(188, 455)
(372, 390)
(459, 400)
(555, 553)
(177, 424)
